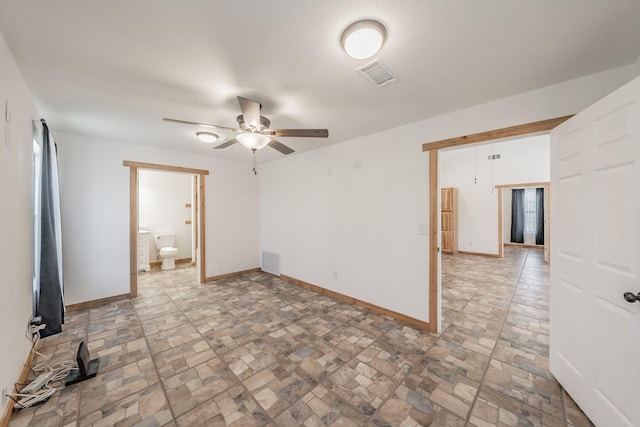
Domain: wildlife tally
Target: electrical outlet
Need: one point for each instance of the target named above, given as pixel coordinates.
(335, 275)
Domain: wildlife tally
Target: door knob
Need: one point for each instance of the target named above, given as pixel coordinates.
(630, 297)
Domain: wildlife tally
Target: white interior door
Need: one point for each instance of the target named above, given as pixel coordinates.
(595, 257)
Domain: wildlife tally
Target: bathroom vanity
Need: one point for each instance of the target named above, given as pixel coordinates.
(143, 251)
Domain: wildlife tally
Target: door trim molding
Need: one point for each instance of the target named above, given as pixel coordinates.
(434, 148)
(434, 244)
(134, 221)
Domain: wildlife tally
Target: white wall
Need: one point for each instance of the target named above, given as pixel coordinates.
(95, 212)
(637, 67)
(323, 217)
(521, 161)
(16, 148)
(162, 198)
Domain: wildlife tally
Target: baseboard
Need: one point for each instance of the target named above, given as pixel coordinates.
(421, 324)
(522, 245)
(234, 274)
(479, 254)
(96, 302)
(22, 378)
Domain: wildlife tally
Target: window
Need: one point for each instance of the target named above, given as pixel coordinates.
(35, 203)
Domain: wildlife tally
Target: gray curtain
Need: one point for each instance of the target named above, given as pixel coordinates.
(517, 216)
(49, 303)
(539, 216)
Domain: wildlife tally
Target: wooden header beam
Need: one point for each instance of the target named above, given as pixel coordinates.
(153, 166)
(528, 128)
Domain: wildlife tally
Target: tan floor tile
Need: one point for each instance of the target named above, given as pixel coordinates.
(361, 386)
(196, 385)
(535, 391)
(112, 386)
(575, 416)
(320, 407)
(147, 407)
(255, 350)
(183, 357)
(496, 409)
(455, 357)
(162, 322)
(171, 338)
(118, 354)
(276, 388)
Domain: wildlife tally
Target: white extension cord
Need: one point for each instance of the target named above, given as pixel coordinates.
(40, 389)
(37, 384)
(28, 400)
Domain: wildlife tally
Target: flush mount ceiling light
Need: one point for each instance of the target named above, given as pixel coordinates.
(207, 137)
(253, 140)
(364, 38)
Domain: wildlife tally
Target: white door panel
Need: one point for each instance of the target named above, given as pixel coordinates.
(595, 333)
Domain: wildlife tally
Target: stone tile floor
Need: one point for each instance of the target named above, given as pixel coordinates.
(255, 350)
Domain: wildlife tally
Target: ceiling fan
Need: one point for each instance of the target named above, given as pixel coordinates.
(253, 130)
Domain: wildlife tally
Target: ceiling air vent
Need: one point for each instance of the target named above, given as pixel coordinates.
(375, 72)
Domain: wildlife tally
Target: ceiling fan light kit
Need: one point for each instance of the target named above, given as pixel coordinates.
(207, 137)
(253, 140)
(253, 132)
(363, 38)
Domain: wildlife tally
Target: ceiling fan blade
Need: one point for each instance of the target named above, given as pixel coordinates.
(277, 145)
(307, 133)
(226, 143)
(250, 112)
(184, 122)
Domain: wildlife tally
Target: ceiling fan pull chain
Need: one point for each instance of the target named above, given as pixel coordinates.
(255, 171)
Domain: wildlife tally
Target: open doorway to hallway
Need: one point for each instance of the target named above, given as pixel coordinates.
(527, 129)
(479, 174)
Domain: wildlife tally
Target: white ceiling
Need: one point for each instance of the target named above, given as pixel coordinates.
(113, 69)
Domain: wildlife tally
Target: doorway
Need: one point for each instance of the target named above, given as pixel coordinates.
(165, 207)
(504, 212)
(434, 207)
(134, 222)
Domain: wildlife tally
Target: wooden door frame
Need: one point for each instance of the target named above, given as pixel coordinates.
(547, 211)
(134, 167)
(434, 148)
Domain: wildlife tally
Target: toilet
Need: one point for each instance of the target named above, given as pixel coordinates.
(165, 244)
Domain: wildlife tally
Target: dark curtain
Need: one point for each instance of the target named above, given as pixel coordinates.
(517, 216)
(539, 216)
(49, 304)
